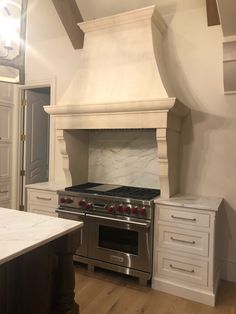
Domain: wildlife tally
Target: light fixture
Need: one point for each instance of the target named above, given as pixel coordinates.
(12, 40)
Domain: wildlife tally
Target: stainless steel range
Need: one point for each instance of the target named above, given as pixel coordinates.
(118, 226)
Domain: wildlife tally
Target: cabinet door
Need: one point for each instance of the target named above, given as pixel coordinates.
(5, 123)
(4, 161)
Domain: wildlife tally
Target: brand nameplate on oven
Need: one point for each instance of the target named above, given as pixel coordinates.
(117, 258)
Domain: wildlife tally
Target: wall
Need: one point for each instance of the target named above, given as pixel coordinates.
(194, 54)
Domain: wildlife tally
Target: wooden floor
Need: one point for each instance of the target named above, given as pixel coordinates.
(104, 292)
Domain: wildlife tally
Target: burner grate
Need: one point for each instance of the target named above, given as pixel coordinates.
(122, 191)
(134, 192)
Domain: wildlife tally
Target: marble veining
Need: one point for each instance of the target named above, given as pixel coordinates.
(49, 185)
(21, 232)
(126, 157)
(191, 201)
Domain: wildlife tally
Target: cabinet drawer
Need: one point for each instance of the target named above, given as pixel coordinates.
(41, 209)
(4, 191)
(5, 204)
(48, 198)
(183, 240)
(182, 269)
(184, 217)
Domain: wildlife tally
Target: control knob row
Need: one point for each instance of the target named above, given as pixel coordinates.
(126, 209)
(85, 205)
(64, 200)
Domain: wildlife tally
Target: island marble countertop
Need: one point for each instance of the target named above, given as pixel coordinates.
(190, 201)
(21, 232)
(49, 185)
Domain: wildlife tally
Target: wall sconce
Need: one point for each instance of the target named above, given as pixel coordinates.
(12, 40)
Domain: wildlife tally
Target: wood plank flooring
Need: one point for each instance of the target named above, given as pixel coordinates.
(104, 292)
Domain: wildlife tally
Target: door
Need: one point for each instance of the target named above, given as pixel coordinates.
(37, 135)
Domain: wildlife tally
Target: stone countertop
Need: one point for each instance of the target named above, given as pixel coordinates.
(21, 232)
(49, 186)
(190, 201)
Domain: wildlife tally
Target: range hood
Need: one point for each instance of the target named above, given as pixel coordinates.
(121, 83)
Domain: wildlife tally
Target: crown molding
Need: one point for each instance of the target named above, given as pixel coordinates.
(129, 17)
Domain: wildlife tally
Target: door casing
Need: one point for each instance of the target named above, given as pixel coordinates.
(20, 188)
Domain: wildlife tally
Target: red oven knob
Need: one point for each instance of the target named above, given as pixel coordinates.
(110, 209)
(127, 209)
(121, 208)
(62, 200)
(143, 211)
(89, 206)
(134, 210)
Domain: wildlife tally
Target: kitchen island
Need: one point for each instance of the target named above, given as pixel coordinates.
(36, 263)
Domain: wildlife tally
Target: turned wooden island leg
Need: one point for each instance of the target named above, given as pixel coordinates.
(64, 296)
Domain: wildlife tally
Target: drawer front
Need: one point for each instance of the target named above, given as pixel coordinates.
(41, 209)
(184, 217)
(5, 204)
(43, 197)
(183, 269)
(4, 191)
(183, 240)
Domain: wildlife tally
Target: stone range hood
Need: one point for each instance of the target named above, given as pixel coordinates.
(120, 84)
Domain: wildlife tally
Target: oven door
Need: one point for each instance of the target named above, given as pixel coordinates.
(79, 216)
(122, 242)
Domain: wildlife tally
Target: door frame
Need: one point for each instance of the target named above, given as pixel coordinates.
(51, 83)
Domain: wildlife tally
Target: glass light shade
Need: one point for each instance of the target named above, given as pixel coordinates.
(12, 40)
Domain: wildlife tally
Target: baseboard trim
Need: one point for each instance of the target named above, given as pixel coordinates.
(197, 295)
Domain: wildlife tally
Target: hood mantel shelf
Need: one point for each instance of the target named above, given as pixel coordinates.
(121, 83)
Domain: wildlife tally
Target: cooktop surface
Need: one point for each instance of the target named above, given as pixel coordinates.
(115, 190)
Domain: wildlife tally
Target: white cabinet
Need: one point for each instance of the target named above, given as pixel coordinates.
(5, 123)
(184, 248)
(5, 153)
(42, 198)
(5, 160)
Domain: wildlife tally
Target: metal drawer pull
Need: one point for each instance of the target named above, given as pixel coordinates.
(44, 198)
(182, 269)
(4, 191)
(183, 218)
(183, 241)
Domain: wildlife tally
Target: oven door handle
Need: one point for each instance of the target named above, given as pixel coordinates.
(59, 210)
(136, 223)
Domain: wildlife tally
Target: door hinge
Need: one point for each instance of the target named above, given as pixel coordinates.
(24, 102)
(23, 137)
(22, 173)
(22, 208)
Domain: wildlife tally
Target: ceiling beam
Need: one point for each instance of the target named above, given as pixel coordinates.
(212, 13)
(70, 15)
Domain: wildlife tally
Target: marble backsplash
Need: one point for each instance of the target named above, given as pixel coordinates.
(126, 157)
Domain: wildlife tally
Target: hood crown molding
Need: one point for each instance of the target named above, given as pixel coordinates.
(144, 106)
(148, 13)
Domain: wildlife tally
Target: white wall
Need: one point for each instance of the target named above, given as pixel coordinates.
(194, 54)
(209, 152)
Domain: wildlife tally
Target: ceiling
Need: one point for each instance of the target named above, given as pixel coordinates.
(91, 9)
(50, 27)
